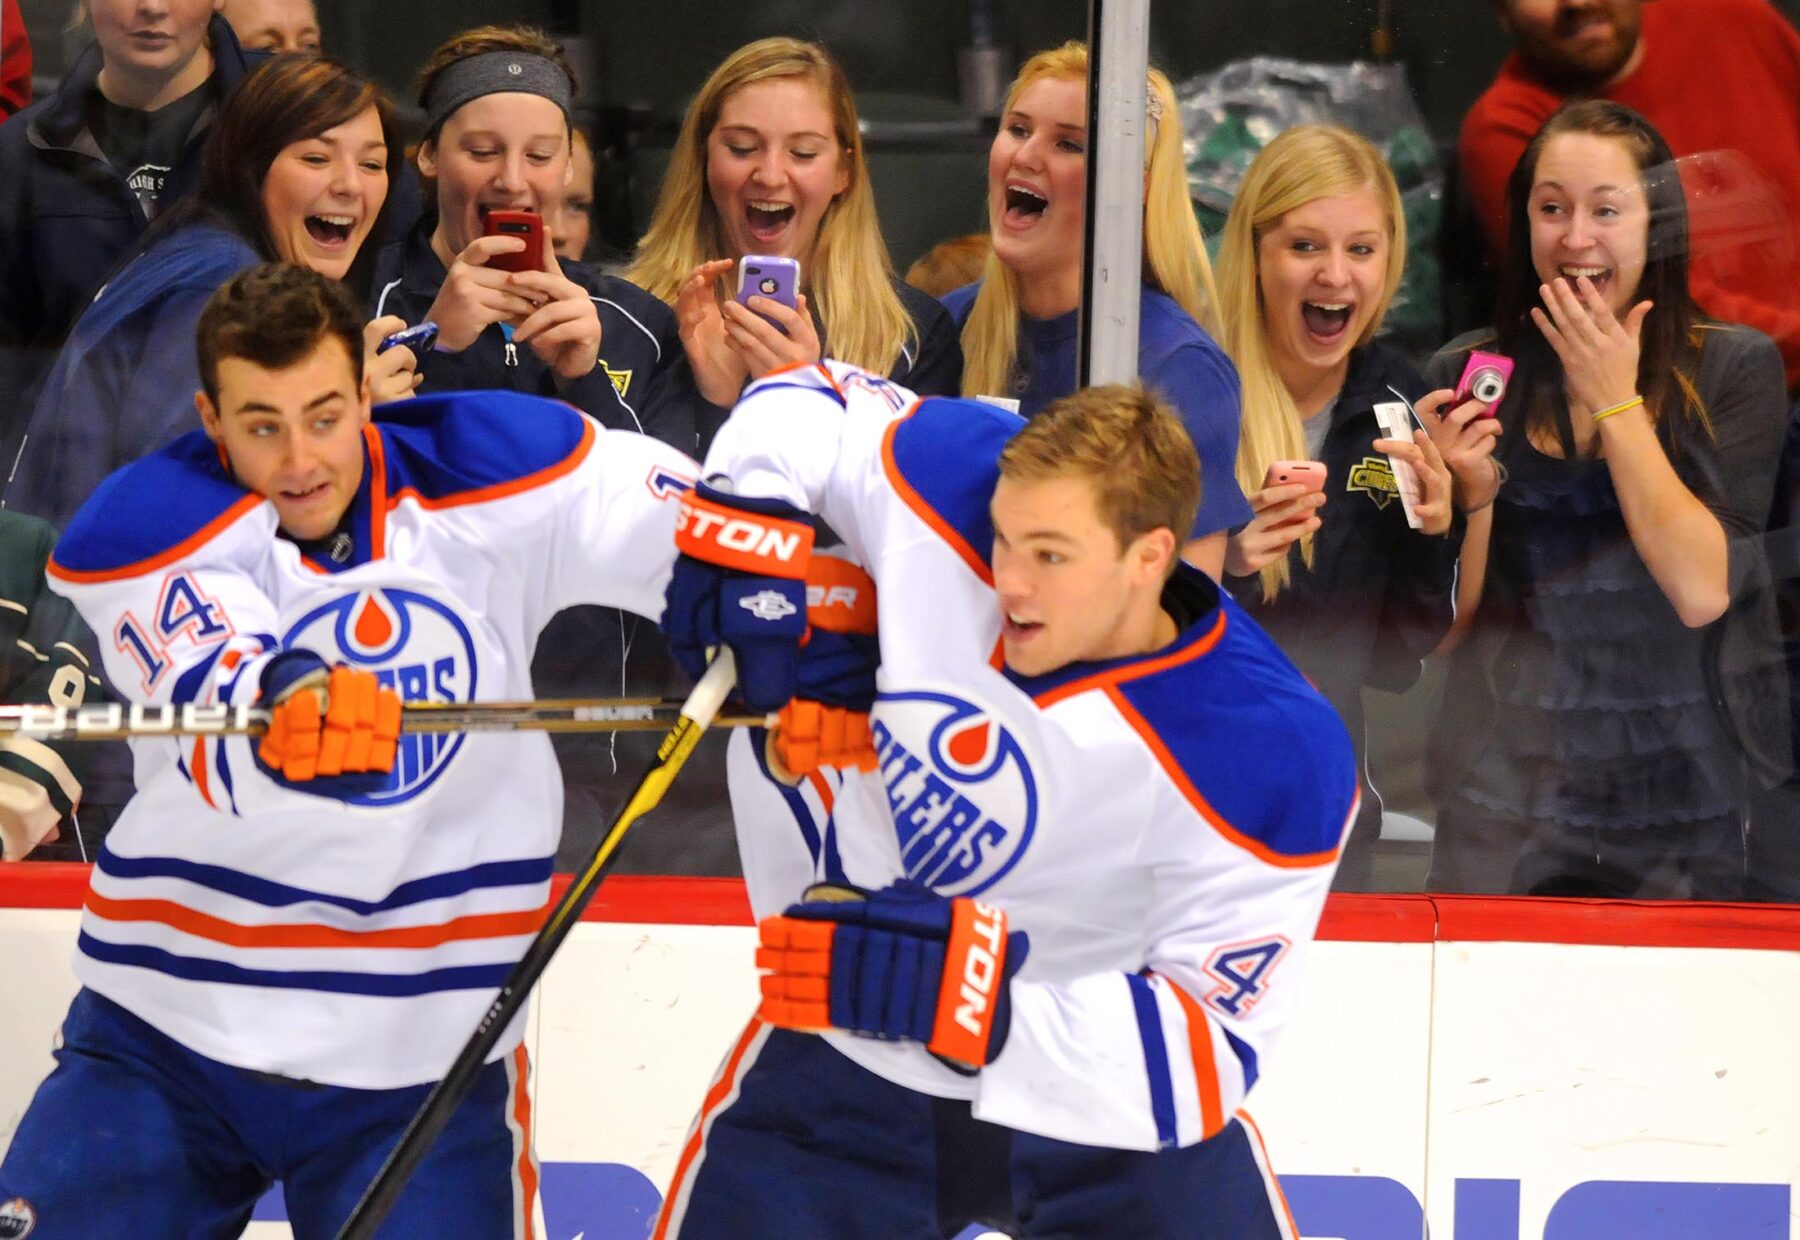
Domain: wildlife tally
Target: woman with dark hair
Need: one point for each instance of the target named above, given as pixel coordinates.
(296, 169)
(1578, 752)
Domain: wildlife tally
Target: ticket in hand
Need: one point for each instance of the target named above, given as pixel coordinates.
(1396, 423)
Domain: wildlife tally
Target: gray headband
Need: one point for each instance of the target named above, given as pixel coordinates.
(493, 73)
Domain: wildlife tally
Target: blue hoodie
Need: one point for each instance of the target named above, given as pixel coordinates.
(124, 384)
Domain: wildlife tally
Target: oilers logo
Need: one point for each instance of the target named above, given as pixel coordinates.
(961, 787)
(417, 647)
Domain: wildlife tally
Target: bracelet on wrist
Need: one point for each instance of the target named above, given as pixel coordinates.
(1500, 476)
(1621, 407)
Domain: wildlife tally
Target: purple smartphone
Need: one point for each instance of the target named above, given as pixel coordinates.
(761, 275)
(1484, 379)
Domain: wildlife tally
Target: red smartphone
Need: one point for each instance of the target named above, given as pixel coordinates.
(527, 226)
(1310, 474)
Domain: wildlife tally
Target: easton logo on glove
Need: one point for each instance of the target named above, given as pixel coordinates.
(749, 542)
(900, 963)
(768, 605)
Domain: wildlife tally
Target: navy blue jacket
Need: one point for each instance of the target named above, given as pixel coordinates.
(67, 219)
(124, 383)
(627, 390)
(1379, 595)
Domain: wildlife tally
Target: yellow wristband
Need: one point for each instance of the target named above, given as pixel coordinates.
(1621, 407)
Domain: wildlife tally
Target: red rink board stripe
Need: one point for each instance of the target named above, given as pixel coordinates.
(1348, 918)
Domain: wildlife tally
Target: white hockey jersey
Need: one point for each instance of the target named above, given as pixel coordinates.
(351, 943)
(1164, 827)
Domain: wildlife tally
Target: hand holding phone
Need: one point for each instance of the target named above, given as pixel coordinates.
(776, 278)
(1484, 378)
(419, 339)
(527, 226)
(1309, 474)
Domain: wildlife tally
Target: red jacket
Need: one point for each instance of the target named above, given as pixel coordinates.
(15, 60)
(1717, 75)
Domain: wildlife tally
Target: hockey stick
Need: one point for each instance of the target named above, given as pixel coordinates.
(116, 721)
(696, 714)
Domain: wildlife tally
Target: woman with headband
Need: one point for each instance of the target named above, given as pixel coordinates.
(497, 105)
(1019, 323)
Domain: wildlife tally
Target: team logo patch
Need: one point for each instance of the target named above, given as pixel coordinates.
(17, 1219)
(1375, 478)
(417, 647)
(961, 786)
(621, 379)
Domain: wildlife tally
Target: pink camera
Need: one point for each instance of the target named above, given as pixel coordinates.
(1484, 379)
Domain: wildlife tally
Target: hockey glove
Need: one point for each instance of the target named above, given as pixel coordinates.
(828, 722)
(740, 581)
(902, 963)
(333, 731)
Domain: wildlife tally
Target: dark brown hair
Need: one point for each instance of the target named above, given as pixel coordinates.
(1129, 444)
(288, 100)
(1667, 355)
(275, 315)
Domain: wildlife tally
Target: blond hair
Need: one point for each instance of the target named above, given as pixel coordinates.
(850, 281)
(1175, 260)
(1129, 444)
(1300, 165)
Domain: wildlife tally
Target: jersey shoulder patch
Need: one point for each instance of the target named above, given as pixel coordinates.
(943, 460)
(1253, 747)
(452, 448)
(157, 509)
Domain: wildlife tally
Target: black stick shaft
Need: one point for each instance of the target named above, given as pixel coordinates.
(449, 1093)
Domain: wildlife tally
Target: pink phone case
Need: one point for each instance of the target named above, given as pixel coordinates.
(1484, 379)
(1310, 474)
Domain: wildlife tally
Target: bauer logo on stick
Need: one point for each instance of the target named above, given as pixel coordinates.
(964, 796)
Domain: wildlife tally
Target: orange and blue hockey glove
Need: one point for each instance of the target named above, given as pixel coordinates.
(332, 731)
(827, 723)
(902, 963)
(740, 581)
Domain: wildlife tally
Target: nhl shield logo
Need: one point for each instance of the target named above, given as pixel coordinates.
(961, 786)
(417, 647)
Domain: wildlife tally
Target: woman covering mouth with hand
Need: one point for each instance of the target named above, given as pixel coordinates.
(1313, 250)
(1019, 323)
(770, 162)
(1579, 751)
(297, 169)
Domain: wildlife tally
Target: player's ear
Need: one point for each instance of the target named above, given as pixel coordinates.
(209, 414)
(427, 158)
(1152, 555)
(366, 395)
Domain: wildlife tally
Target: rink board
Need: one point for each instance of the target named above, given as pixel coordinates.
(1495, 1069)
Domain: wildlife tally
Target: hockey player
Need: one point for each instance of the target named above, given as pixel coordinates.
(41, 663)
(1078, 890)
(285, 942)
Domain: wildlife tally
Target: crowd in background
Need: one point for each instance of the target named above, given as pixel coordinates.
(1595, 566)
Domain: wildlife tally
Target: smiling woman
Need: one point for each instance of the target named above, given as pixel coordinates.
(297, 168)
(770, 161)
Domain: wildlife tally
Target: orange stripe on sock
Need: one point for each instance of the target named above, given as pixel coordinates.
(721, 1089)
(521, 1106)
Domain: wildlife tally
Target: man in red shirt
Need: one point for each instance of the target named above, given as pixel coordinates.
(1721, 80)
(15, 60)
